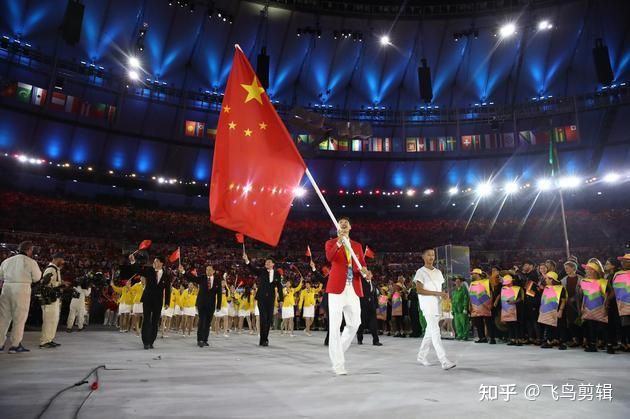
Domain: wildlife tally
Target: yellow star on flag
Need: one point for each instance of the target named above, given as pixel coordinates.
(262, 125)
(248, 132)
(226, 109)
(232, 125)
(254, 91)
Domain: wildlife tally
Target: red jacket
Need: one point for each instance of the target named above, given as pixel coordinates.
(339, 267)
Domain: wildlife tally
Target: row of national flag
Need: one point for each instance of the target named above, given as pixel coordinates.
(27, 93)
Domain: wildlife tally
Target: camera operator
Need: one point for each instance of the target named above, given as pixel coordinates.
(51, 304)
(18, 273)
(77, 304)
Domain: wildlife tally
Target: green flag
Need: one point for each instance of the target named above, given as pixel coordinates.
(24, 92)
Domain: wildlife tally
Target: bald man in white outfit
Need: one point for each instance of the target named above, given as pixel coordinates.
(429, 280)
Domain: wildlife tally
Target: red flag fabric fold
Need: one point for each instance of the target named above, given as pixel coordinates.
(144, 245)
(240, 238)
(369, 253)
(256, 166)
(174, 256)
(308, 251)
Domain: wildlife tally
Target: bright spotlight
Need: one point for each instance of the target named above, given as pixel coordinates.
(544, 184)
(569, 182)
(453, 191)
(511, 187)
(385, 40)
(411, 192)
(134, 62)
(612, 177)
(543, 25)
(507, 30)
(428, 191)
(484, 189)
(299, 192)
(133, 75)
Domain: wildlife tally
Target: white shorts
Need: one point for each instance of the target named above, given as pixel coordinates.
(256, 311)
(168, 312)
(178, 311)
(308, 312)
(137, 308)
(221, 313)
(244, 313)
(124, 308)
(190, 311)
(288, 312)
(231, 310)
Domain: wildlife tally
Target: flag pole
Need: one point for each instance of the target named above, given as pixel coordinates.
(346, 242)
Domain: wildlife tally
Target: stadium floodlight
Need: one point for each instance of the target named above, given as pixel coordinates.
(569, 182)
(299, 192)
(511, 188)
(411, 192)
(385, 41)
(544, 184)
(507, 30)
(453, 191)
(484, 189)
(428, 191)
(133, 75)
(544, 25)
(612, 177)
(134, 62)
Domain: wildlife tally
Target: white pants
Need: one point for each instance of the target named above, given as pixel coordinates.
(14, 303)
(77, 311)
(348, 305)
(50, 320)
(432, 336)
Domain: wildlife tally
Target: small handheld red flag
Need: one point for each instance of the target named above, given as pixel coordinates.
(174, 256)
(256, 166)
(369, 253)
(144, 245)
(308, 251)
(240, 238)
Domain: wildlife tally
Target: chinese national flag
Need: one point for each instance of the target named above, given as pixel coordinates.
(308, 251)
(144, 245)
(240, 238)
(174, 256)
(369, 253)
(256, 165)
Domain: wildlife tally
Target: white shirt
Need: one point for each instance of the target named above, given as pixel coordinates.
(270, 275)
(431, 280)
(19, 269)
(158, 275)
(82, 293)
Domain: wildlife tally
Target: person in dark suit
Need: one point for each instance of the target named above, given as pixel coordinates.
(156, 295)
(369, 301)
(208, 299)
(269, 281)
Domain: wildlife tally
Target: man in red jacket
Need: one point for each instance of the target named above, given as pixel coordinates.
(344, 289)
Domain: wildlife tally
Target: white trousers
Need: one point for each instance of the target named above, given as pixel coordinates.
(50, 320)
(345, 305)
(14, 303)
(77, 311)
(432, 337)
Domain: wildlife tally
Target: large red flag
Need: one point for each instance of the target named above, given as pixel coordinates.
(256, 165)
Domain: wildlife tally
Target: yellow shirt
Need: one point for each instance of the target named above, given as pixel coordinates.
(188, 299)
(224, 300)
(307, 297)
(174, 297)
(246, 304)
(126, 294)
(137, 290)
(289, 295)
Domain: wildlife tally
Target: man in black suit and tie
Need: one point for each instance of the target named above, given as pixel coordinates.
(156, 295)
(369, 302)
(269, 281)
(208, 299)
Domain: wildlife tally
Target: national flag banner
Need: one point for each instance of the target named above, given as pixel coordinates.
(240, 238)
(369, 253)
(558, 135)
(526, 137)
(433, 144)
(450, 143)
(85, 109)
(422, 144)
(467, 142)
(571, 133)
(174, 256)
(387, 145)
(256, 165)
(343, 145)
(39, 96)
(377, 144)
(98, 110)
(211, 133)
(195, 129)
(356, 145)
(57, 101)
(542, 136)
(73, 104)
(145, 244)
(508, 140)
(323, 145)
(302, 139)
(111, 114)
(412, 145)
(333, 144)
(308, 251)
(9, 90)
(441, 144)
(490, 141)
(24, 92)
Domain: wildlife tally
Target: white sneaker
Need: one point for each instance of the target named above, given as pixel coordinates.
(447, 365)
(340, 371)
(424, 361)
(292, 335)
(226, 335)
